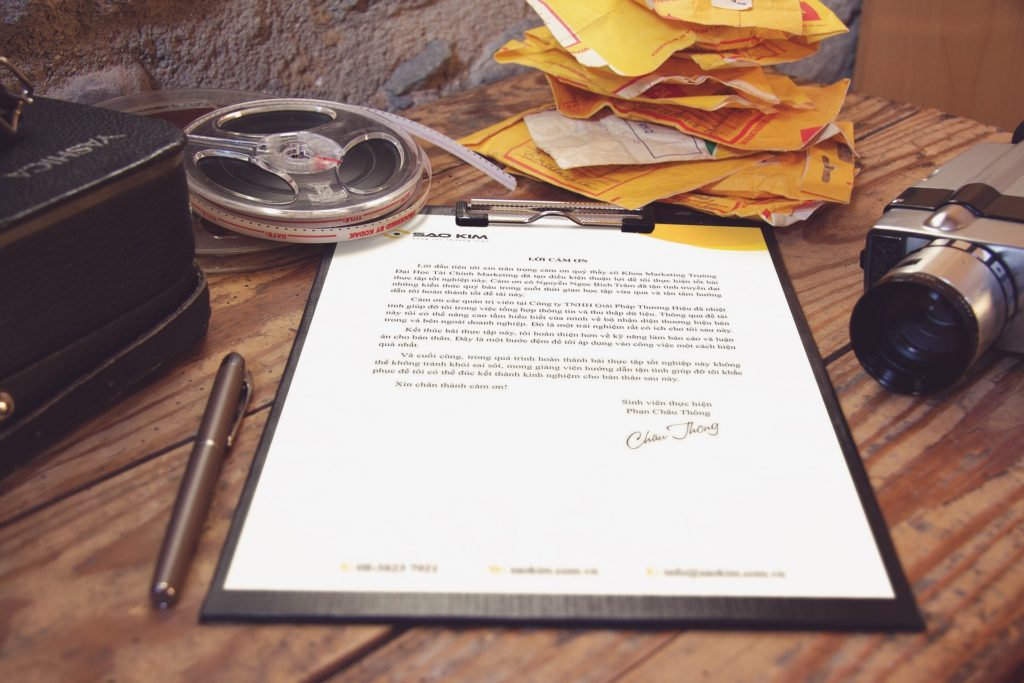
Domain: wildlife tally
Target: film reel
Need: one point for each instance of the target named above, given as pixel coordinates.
(304, 171)
(217, 250)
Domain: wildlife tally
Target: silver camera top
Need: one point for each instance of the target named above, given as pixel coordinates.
(978, 195)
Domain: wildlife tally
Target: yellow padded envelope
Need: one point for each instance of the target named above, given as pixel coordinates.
(629, 186)
(677, 81)
(632, 40)
(782, 15)
(744, 129)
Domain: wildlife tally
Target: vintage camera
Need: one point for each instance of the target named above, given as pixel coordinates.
(944, 272)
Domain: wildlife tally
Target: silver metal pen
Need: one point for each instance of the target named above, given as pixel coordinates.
(222, 417)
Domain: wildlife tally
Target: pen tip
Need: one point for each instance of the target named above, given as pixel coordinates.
(164, 595)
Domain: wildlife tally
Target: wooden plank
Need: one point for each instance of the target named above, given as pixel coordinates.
(957, 56)
(959, 438)
(513, 654)
(872, 114)
(74, 579)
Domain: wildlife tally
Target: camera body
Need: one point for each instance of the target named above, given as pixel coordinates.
(944, 273)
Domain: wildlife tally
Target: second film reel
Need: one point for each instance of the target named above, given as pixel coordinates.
(304, 171)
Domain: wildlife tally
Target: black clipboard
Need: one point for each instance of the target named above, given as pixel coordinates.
(898, 613)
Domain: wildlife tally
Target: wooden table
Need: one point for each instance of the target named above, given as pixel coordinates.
(80, 527)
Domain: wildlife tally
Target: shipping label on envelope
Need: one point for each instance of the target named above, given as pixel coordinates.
(605, 140)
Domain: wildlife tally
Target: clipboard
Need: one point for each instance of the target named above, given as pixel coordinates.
(373, 599)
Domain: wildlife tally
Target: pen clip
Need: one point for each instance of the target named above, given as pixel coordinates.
(244, 396)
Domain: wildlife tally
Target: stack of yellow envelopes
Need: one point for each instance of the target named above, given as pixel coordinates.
(671, 100)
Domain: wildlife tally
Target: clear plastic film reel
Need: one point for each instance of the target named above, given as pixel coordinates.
(304, 171)
(218, 250)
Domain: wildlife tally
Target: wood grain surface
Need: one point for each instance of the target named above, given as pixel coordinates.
(81, 525)
(901, 45)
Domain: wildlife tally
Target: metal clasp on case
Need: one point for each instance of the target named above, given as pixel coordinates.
(13, 101)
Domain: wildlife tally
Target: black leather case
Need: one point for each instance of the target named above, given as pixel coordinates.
(98, 285)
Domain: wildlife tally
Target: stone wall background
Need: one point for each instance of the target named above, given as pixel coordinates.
(388, 54)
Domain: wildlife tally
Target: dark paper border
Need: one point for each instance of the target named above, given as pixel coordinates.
(838, 614)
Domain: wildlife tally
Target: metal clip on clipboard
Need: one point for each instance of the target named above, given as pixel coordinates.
(483, 212)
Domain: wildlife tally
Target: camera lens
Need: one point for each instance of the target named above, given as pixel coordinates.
(926, 320)
(910, 338)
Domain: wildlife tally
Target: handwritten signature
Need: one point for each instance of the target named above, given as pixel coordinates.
(674, 432)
